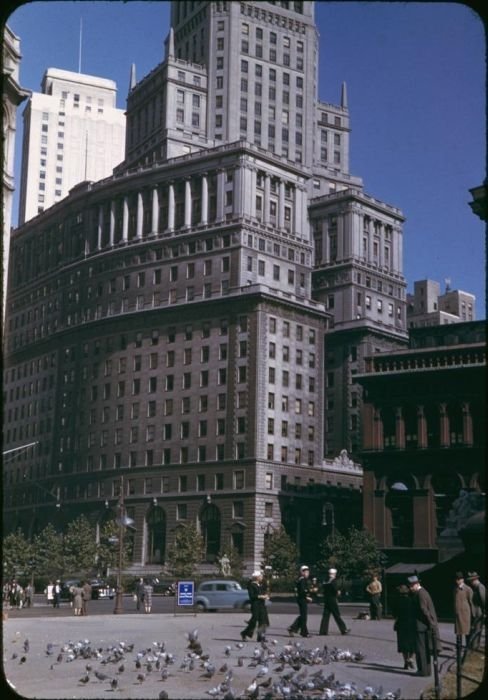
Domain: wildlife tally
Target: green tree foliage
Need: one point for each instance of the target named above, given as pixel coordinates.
(49, 555)
(18, 555)
(108, 548)
(281, 553)
(186, 552)
(355, 554)
(80, 547)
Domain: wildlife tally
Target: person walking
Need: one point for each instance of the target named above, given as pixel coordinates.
(140, 594)
(259, 615)
(463, 607)
(478, 603)
(303, 594)
(77, 597)
(148, 594)
(331, 592)
(426, 626)
(374, 590)
(49, 593)
(404, 626)
(85, 597)
(29, 595)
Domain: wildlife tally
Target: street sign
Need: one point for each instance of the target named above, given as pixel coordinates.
(185, 593)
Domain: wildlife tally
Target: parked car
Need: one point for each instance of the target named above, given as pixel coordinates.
(100, 589)
(213, 595)
(166, 588)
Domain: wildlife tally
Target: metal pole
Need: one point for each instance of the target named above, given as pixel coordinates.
(437, 685)
(459, 641)
(119, 605)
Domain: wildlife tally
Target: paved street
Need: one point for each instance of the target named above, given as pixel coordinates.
(44, 676)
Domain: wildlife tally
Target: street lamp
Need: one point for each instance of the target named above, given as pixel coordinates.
(328, 508)
(123, 521)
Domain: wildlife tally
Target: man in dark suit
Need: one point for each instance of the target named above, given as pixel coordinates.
(426, 626)
(331, 592)
(303, 593)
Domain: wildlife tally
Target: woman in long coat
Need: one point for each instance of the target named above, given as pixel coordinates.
(77, 593)
(148, 594)
(463, 606)
(404, 626)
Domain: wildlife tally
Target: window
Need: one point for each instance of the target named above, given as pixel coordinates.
(268, 481)
(239, 479)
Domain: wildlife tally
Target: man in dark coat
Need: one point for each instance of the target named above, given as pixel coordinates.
(85, 597)
(331, 592)
(259, 617)
(303, 594)
(479, 598)
(426, 626)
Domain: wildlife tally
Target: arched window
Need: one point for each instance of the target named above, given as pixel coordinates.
(400, 503)
(210, 529)
(156, 535)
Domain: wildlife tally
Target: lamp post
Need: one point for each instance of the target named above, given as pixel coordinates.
(119, 597)
(328, 508)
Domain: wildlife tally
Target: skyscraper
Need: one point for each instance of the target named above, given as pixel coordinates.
(72, 132)
(162, 323)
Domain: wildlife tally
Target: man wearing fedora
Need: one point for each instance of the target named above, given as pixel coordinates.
(331, 592)
(303, 593)
(478, 608)
(463, 607)
(426, 626)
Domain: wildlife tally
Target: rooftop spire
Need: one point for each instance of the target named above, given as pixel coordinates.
(344, 96)
(132, 81)
(169, 44)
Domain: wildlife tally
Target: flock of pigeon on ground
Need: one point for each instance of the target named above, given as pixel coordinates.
(290, 673)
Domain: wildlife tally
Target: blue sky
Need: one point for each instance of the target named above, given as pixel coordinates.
(415, 74)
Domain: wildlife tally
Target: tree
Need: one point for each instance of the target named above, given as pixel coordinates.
(17, 554)
(80, 547)
(108, 548)
(186, 552)
(48, 552)
(281, 554)
(355, 554)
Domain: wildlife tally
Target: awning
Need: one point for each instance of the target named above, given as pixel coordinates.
(402, 568)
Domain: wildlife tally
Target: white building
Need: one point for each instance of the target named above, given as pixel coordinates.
(72, 132)
(428, 307)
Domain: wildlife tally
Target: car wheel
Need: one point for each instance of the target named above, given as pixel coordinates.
(200, 607)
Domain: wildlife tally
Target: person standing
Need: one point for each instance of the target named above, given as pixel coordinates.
(77, 596)
(259, 615)
(29, 595)
(426, 625)
(404, 626)
(303, 593)
(331, 592)
(463, 607)
(140, 594)
(374, 590)
(49, 592)
(57, 594)
(478, 602)
(148, 594)
(85, 597)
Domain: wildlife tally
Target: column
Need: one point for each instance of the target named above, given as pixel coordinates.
(140, 215)
(113, 205)
(399, 429)
(187, 202)
(155, 211)
(378, 429)
(368, 427)
(444, 437)
(220, 194)
(100, 226)
(237, 196)
(204, 217)
(421, 428)
(267, 188)
(467, 425)
(252, 207)
(125, 219)
(171, 207)
(304, 229)
(381, 252)
(281, 205)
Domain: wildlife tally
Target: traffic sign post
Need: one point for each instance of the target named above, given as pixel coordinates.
(185, 596)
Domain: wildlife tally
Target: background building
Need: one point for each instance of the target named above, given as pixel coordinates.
(428, 307)
(12, 96)
(72, 132)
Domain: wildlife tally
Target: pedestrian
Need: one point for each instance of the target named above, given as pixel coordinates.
(148, 593)
(303, 594)
(426, 626)
(374, 590)
(85, 597)
(77, 596)
(140, 594)
(331, 592)
(259, 615)
(404, 625)
(57, 594)
(49, 593)
(29, 595)
(478, 602)
(463, 607)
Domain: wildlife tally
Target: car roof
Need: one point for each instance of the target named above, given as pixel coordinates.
(219, 580)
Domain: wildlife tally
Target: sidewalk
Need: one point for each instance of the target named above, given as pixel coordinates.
(43, 676)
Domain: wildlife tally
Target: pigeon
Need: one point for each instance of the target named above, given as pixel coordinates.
(114, 684)
(84, 679)
(49, 649)
(121, 668)
(164, 674)
(209, 670)
(163, 695)
(101, 676)
(23, 659)
(26, 645)
(223, 668)
(141, 677)
(227, 650)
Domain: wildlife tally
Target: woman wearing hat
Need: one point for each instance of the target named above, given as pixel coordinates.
(259, 615)
(479, 597)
